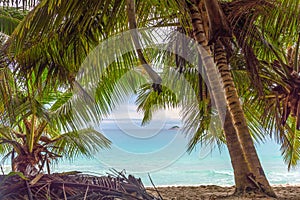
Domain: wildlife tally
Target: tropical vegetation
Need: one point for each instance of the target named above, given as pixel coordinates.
(37, 124)
(255, 47)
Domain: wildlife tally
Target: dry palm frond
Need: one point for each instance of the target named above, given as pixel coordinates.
(75, 186)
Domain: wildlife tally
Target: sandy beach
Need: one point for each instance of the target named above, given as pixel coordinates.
(211, 192)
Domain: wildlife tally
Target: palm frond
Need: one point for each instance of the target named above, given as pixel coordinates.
(150, 101)
(5, 134)
(290, 148)
(86, 142)
(10, 18)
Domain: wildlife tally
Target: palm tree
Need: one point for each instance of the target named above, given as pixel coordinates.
(247, 177)
(39, 126)
(238, 157)
(278, 107)
(248, 172)
(265, 36)
(244, 174)
(219, 30)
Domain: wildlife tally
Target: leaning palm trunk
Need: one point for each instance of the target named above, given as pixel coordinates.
(237, 157)
(135, 37)
(248, 172)
(257, 175)
(238, 161)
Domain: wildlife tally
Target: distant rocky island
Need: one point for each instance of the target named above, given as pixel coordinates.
(174, 128)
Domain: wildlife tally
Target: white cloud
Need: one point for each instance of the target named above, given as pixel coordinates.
(127, 118)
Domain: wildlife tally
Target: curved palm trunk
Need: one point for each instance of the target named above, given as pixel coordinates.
(134, 33)
(248, 172)
(238, 161)
(237, 114)
(237, 157)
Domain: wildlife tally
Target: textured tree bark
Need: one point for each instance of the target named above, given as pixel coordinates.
(249, 175)
(26, 163)
(240, 167)
(257, 176)
(216, 17)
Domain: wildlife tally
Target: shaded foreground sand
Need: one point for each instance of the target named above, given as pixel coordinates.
(217, 192)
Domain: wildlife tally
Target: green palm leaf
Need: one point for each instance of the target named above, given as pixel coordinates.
(10, 18)
(85, 142)
(290, 148)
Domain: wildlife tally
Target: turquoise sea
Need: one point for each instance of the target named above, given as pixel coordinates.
(163, 156)
(161, 152)
(178, 168)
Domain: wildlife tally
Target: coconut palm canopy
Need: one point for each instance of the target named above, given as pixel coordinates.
(260, 43)
(37, 124)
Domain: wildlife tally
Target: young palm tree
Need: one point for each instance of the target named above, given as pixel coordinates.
(39, 126)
